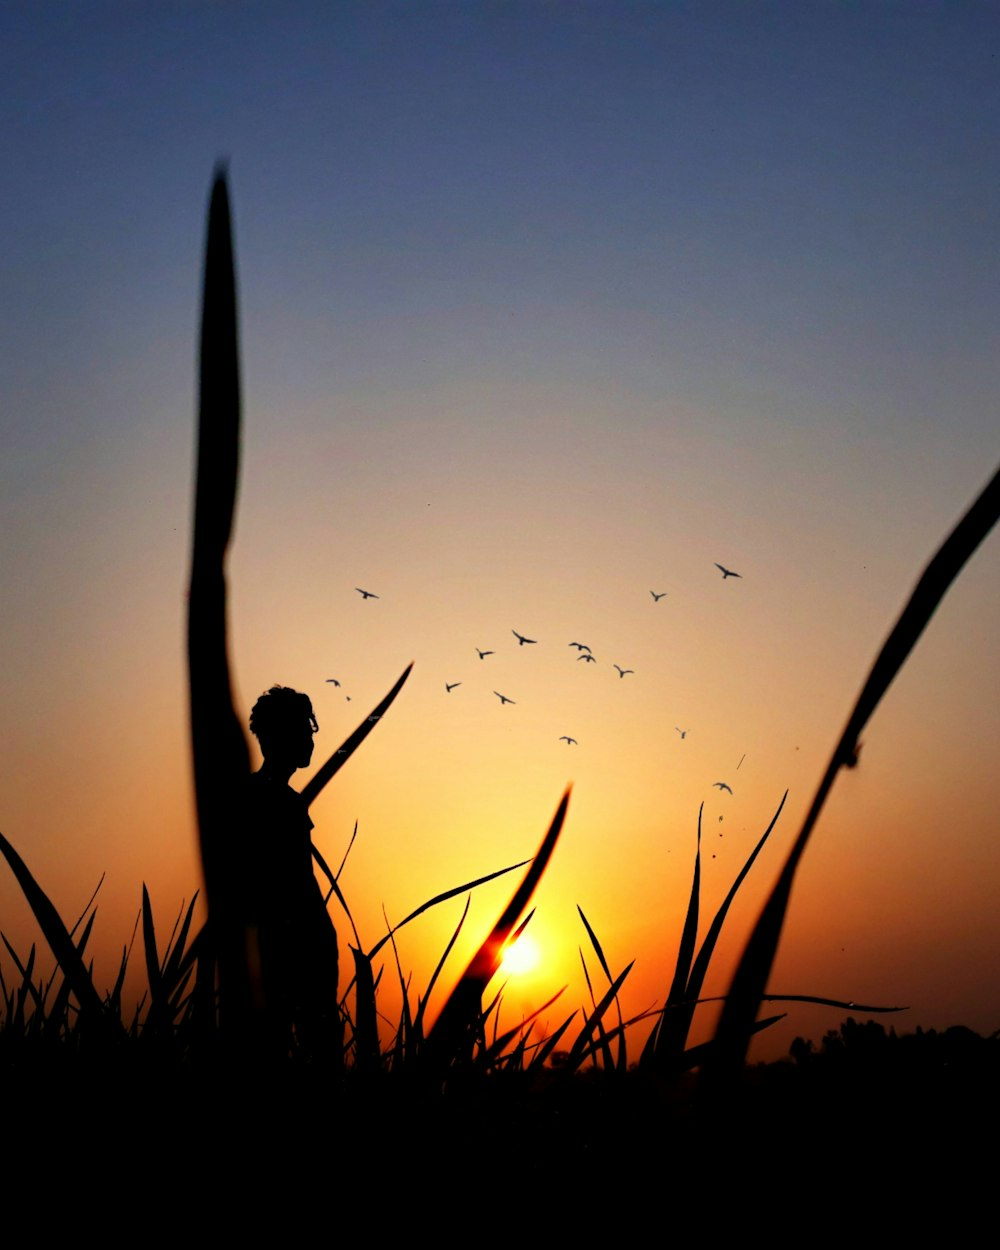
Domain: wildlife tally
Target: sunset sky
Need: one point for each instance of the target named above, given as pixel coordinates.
(545, 306)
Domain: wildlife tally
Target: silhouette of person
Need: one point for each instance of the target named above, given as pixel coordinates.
(293, 944)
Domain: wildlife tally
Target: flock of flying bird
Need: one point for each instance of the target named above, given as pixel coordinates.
(586, 655)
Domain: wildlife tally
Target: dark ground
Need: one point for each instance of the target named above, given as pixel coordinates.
(869, 1130)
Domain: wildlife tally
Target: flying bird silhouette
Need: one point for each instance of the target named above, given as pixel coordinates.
(622, 671)
(502, 697)
(572, 742)
(365, 594)
(483, 654)
(585, 655)
(333, 680)
(726, 572)
(521, 640)
(721, 785)
(657, 597)
(683, 732)
(580, 646)
(451, 687)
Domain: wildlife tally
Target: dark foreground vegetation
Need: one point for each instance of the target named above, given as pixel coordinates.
(176, 1098)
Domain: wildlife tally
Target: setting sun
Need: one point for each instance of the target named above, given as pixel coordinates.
(523, 956)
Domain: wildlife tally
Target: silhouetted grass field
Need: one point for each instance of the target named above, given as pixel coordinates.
(176, 1085)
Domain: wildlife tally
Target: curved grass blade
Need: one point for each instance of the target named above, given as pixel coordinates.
(28, 987)
(673, 1029)
(315, 784)
(750, 979)
(448, 1039)
(335, 888)
(689, 934)
(622, 1062)
(60, 1004)
(422, 1002)
(602, 1042)
(593, 1021)
(443, 898)
(59, 940)
(97, 890)
(348, 851)
(865, 1008)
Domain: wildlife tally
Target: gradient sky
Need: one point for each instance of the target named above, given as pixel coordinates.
(544, 306)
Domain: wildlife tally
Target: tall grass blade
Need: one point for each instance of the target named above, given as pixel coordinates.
(423, 1001)
(622, 1062)
(448, 1040)
(658, 1044)
(149, 943)
(366, 1047)
(592, 1022)
(219, 748)
(407, 1043)
(59, 940)
(675, 1024)
(335, 889)
(60, 1004)
(171, 970)
(90, 904)
(315, 784)
(750, 979)
(348, 851)
(689, 934)
(115, 997)
(602, 1042)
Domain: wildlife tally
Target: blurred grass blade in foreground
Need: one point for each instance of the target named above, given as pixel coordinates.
(220, 754)
(750, 979)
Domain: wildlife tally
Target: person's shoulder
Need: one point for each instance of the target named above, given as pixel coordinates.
(281, 798)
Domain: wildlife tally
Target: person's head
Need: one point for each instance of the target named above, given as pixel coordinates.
(283, 723)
